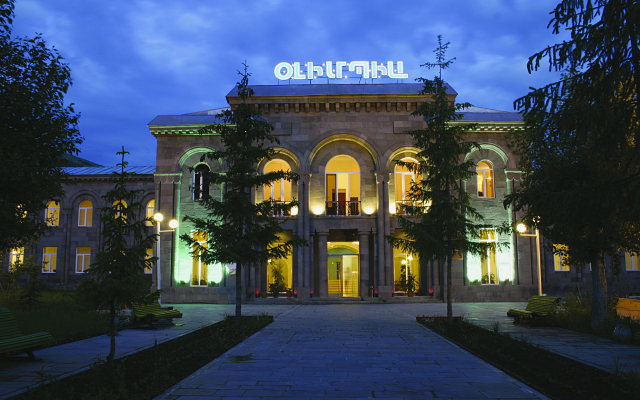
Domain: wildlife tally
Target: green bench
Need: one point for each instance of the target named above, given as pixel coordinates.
(537, 307)
(149, 313)
(13, 341)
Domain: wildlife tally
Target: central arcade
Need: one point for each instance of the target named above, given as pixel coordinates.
(343, 141)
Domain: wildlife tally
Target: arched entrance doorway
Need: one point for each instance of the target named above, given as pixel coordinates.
(343, 269)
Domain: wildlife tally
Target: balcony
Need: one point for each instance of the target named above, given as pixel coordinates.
(401, 210)
(275, 212)
(343, 208)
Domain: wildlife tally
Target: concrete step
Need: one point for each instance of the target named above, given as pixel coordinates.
(345, 300)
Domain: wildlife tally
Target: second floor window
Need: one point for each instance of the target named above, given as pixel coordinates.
(484, 172)
(343, 186)
(200, 184)
(53, 213)
(85, 213)
(83, 259)
(49, 260)
(151, 210)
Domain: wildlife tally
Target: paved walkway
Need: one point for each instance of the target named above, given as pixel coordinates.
(348, 352)
(342, 341)
(71, 358)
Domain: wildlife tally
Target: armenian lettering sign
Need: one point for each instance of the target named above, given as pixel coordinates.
(340, 69)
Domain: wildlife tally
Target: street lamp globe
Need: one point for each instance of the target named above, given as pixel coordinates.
(158, 217)
(521, 227)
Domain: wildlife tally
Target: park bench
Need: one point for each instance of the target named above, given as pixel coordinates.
(537, 307)
(149, 313)
(13, 341)
(628, 308)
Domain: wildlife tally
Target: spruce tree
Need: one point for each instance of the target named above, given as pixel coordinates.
(239, 230)
(441, 219)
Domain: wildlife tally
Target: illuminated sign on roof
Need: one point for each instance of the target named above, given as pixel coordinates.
(361, 69)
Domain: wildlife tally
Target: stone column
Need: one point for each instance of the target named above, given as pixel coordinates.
(384, 285)
(299, 251)
(305, 179)
(363, 237)
(323, 284)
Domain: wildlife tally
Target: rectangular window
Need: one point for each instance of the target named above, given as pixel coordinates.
(631, 261)
(53, 214)
(199, 269)
(83, 259)
(149, 269)
(559, 263)
(49, 260)
(16, 256)
(488, 263)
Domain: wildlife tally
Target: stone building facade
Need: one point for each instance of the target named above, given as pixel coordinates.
(343, 141)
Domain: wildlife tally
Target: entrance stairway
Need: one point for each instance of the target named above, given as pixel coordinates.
(345, 300)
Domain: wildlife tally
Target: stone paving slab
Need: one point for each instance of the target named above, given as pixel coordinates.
(71, 358)
(592, 350)
(348, 352)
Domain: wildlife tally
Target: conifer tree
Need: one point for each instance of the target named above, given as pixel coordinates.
(579, 151)
(441, 219)
(119, 267)
(238, 230)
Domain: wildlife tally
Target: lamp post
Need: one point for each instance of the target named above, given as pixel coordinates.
(173, 224)
(522, 228)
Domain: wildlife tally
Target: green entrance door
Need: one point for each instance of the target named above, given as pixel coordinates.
(343, 275)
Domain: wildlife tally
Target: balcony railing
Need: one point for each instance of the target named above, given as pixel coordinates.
(401, 204)
(280, 213)
(343, 208)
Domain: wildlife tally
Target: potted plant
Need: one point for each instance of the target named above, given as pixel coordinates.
(278, 284)
(407, 281)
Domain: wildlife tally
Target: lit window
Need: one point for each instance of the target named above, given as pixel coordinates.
(199, 270)
(485, 179)
(53, 213)
(200, 184)
(49, 260)
(83, 259)
(148, 269)
(488, 264)
(280, 190)
(631, 261)
(343, 186)
(151, 210)
(404, 178)
(16, 256)
(120, 207)
(85, 213)
(559, 262)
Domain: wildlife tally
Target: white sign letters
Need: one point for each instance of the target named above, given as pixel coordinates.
(363, 69)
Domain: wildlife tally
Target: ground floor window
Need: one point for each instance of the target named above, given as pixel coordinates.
(279, 274)
(559, 261)
(83, 259)
(406, 271)
(16, 256)
(148, 269)
(631, 261)
(49, 260)
(488, 264)
(199, 271)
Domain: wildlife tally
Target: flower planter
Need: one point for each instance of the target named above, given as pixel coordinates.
(263, 295)
(409, 293)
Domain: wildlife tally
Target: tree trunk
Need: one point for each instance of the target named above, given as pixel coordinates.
(599, 311)
(238, 293)
(448, 229)
(112, 332)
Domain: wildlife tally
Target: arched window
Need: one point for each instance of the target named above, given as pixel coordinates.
(200, 184)
(120, 206)
(151, 210)
(85, 213)
(343, 186)
(53, 213)
(485, 179)
(280, 190)
(403, 180)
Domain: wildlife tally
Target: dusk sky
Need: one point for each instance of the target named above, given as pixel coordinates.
(136, 59)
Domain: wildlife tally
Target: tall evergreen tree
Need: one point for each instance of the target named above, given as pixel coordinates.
(579, 151)
(237, 229)
(36, 128)
(442, 220)
(119, 267)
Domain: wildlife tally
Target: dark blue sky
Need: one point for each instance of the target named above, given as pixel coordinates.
(132, 60)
